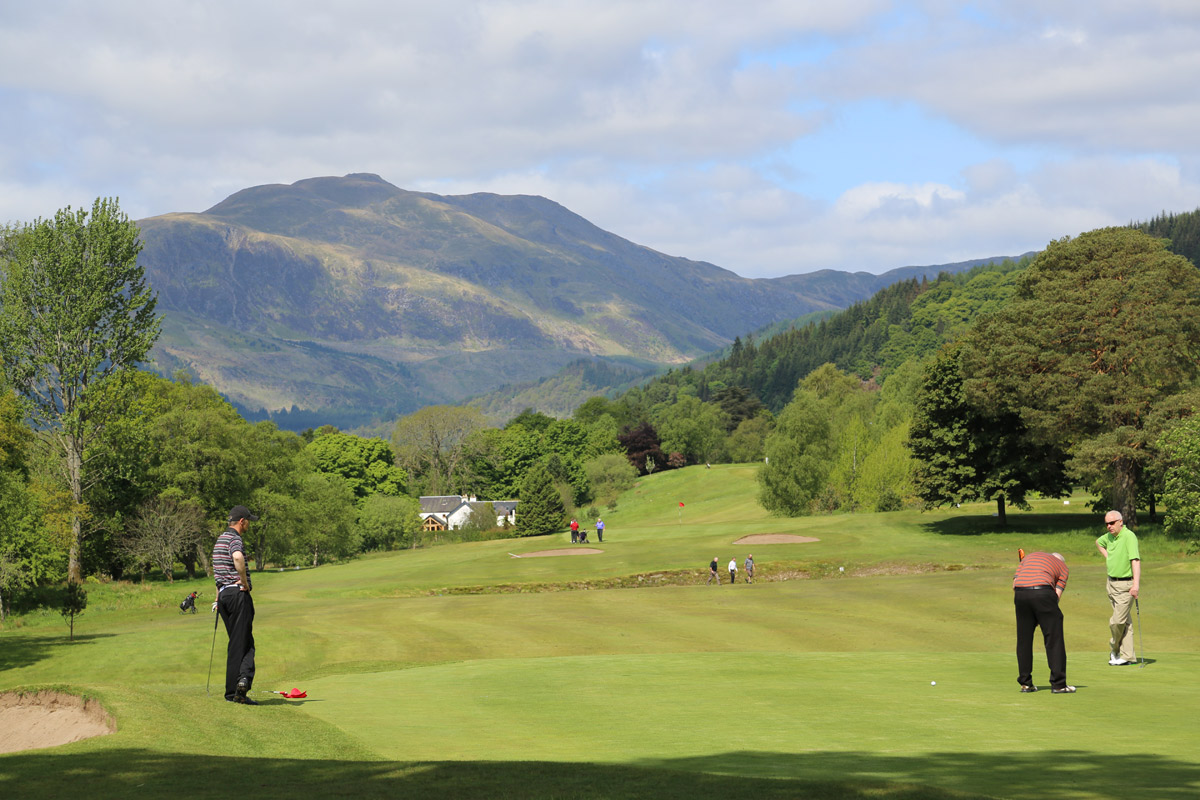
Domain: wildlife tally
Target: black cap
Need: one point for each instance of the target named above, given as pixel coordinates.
(241, 512)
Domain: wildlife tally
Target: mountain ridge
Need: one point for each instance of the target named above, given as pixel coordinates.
(357, 297)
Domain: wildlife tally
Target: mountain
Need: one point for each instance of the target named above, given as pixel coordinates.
(357, 300)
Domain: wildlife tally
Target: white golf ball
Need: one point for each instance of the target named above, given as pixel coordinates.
(933, 683)
(841, 569)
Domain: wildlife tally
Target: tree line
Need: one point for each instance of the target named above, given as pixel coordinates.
(1078, 367)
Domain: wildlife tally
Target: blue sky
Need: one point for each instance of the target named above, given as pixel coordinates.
(781, 137)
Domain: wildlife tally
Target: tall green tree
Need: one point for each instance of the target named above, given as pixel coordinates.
(389, 522)
(327, 527)
(430, 445)
(745, 444)
(609, 475)
(691, 427)
(365, 464)
(1101, 329)
(798, 457)
(962, 452)
(29, 553)
(541, 507)
(1180, 443)
(76, 317)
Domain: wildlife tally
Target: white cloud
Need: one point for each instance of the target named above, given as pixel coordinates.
(1094, 76)
(670, 123)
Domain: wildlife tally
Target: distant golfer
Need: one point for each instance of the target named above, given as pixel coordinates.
(1037, 587)
(749, 565)
(599, 530)
(1119, 546)
(235, 605)
(574, 531)
(713, 575)
(732, 571)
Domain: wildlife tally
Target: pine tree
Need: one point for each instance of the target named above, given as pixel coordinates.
(1103, 329)
(540, 510)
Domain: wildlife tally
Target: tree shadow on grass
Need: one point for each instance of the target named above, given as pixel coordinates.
(1023, 524)
(124, 773)
(24, 651)
(1048, 774)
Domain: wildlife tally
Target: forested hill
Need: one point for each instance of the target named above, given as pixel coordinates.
(908, 320)
(1182, 230)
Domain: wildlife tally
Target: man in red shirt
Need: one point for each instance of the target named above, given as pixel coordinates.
(1037, 587)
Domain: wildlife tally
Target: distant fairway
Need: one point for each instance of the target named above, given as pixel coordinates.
(537, 683)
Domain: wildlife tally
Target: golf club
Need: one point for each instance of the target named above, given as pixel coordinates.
(208, 682)
(1141, 655)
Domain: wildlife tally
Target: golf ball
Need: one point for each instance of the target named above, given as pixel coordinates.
(841, 569)
(933, 683)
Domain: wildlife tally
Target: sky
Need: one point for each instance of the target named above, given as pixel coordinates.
(770, 138)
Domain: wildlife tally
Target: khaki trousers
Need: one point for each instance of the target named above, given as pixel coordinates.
(1120, 624)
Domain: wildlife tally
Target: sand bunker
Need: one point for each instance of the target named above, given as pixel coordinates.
(567, 551)
(48, 719)
(775, 538)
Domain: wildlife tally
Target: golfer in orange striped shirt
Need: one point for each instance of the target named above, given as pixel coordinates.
(1037, 587)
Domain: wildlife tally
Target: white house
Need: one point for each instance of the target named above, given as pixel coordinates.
(442, 512)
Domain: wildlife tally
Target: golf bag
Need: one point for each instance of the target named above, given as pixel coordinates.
(188, 604)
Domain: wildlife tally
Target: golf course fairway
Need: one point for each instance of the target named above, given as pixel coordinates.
(469, 671)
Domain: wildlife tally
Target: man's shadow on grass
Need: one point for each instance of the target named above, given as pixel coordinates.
(24, 651)
(1054, 774)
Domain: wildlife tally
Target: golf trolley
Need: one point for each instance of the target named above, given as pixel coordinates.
(188, 604)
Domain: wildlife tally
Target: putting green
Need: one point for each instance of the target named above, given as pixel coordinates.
(720, 712)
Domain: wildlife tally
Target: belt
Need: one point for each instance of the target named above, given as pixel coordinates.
(1032, 588)
(1111, 578)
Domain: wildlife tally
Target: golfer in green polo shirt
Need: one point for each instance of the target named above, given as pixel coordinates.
(1119, 546)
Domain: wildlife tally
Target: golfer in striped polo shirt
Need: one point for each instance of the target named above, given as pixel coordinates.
(234, 603)
(1037, 587)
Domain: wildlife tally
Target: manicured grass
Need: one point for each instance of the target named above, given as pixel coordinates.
(802, 688)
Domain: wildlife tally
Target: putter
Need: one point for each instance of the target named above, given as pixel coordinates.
(207, 683)
(1141, 655)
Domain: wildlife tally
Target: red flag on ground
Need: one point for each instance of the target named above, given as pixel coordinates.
(681, 505)
(294, 694)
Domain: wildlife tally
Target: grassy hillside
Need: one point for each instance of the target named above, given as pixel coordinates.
(811, 682)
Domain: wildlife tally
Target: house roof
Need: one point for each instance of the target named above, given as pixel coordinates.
(446, 504)
(440, 503)
(503, 507)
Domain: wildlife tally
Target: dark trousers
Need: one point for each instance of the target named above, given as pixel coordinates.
(237, 612)
(1039, 608)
